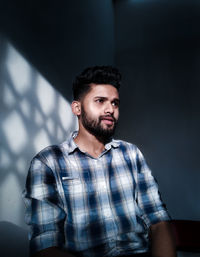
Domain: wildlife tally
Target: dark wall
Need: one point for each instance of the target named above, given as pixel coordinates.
(158, 52)
(60, 38)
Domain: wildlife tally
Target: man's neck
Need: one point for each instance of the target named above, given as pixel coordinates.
(89, 143)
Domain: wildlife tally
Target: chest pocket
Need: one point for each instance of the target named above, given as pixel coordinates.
(73, 186)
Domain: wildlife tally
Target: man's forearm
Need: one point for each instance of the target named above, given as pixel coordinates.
(162, 240)
(53, 252)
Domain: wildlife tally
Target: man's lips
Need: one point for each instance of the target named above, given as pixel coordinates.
(107, 120)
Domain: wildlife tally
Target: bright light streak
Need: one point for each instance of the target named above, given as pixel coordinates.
(33, 116)
(45, 95)
(19, 70)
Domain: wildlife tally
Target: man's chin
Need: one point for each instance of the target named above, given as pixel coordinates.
(107, 127)
(107, 133)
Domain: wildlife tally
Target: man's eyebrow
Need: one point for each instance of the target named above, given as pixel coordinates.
(117, 100)
(104, 97)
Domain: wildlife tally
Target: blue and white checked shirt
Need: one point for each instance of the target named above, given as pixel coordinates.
(94, 206)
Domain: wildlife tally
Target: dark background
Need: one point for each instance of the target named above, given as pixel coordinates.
(156, 46)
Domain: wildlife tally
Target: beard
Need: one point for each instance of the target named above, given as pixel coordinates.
(95, 127)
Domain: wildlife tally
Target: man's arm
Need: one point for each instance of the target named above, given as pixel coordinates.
(162, 240)
(53, 252)
(44, 210)
(155, 214)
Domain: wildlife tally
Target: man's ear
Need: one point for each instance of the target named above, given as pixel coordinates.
(76, 108)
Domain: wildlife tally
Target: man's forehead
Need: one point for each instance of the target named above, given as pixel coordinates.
(103, 90)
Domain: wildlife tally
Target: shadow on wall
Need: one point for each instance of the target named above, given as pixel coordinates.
(33, 115)
(13, 240)
(157, 49)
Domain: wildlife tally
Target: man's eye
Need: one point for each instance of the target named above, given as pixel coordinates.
(115, 104)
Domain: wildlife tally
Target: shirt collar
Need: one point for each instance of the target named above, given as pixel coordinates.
(73, 146)
(113, 143)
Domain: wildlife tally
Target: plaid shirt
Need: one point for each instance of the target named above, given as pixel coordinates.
(94, 206)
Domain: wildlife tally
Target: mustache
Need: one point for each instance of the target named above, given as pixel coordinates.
(102, 117)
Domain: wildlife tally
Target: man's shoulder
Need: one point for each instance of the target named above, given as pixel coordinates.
(52, 151)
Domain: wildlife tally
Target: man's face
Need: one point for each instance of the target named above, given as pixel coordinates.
(100, 110)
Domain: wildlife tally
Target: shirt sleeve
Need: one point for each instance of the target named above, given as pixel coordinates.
(43, 208)
(148, 195)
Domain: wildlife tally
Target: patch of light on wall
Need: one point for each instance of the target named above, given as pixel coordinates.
(60, 134)
(10, 199)
(33, 116)
(26, 108)
(64, 113)
(45, 95)
(4, 158)
(8, 97)
(19, 70)
(51, 126)
(41, 140)
(15, 132)
(38, 118)
(21, 165)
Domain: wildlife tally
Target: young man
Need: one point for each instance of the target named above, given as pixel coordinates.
(92, 195)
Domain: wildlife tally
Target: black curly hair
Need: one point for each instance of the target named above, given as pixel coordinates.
(97, 75)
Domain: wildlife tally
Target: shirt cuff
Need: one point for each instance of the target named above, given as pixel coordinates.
(155, 217)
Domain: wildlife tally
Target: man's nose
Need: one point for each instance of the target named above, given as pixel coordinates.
(109, 108)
